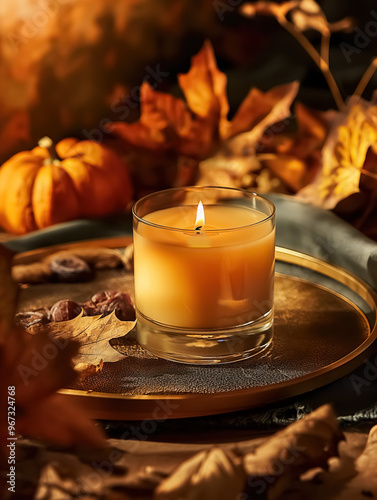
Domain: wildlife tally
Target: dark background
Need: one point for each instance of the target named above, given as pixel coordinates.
(62, 70)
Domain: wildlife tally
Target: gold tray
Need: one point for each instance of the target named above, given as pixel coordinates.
(325, 325)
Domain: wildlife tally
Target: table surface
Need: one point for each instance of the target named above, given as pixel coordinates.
(4, 236)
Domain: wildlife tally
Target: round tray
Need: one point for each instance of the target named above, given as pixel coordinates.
(325, 325)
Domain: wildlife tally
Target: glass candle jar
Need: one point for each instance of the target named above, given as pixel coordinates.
(204, 273)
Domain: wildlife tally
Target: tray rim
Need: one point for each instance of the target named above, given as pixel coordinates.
(109, 406)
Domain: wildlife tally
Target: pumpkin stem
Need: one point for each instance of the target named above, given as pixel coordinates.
(47, 143)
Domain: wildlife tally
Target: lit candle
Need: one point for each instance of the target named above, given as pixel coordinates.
(204, 267)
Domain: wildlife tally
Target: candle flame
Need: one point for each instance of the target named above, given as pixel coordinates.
(200, 219)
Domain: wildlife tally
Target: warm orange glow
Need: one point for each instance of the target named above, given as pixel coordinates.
(200, 219)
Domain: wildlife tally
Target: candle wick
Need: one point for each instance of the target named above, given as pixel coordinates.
(198, 228)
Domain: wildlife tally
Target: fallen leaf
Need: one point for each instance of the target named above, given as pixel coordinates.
(305, 15)
(292, 171)
(305, 444)
(273, 107)
(93, 333)
(314, 123)
(309, 15)
(198, 127)
(210, 475)
(166, 123)
(278, 10)
(364, 484)
(236, 160)
(204, 87)
(36, 366)
(343, 155)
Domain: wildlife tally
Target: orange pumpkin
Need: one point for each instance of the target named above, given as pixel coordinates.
(45, 186)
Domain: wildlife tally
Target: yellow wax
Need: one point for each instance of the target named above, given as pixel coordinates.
(218, 277)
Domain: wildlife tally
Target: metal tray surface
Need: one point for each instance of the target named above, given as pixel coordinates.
(325, 326)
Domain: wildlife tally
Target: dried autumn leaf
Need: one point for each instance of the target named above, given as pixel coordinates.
(262, 109)
(37, 366)
(236, 161)
(273, 107)
(305, 14)
(295, 158)
(343, 156)
(222, 170)
(168, 123)
(199, 127)
(363, 484)
(93, 334)
(292, 171)
(154, 130)
(210, 475)
(309, 15)
(204, 87)
(305, 444)
(278, 10)
(314, 123)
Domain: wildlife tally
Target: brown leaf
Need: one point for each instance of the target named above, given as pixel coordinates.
(168, 123)
(309, 15)
(278, 10)
(198, 128)
(343, 155)
(37, 366)
(292, 171)
(364, 484)
(312, 122)
(226, 170)
(305, 444)
(93, 334)
(55, 421)
(276, 109)
(210, 475)
(260, 110)
(204, 87)
(306, 15)
(155, 129)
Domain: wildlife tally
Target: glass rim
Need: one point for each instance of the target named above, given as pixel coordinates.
(202, 188)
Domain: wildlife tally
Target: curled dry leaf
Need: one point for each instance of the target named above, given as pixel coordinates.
(211, 475)
(309, 15)
(235, 163)
(197, 127)
(37, 366)
(364, 484)
(343, 155)
(278, 10)
(263, 111)
(303, 445)
(305, 14)
(93, 334)
(295, 158)
(204, 87)
(170, 124)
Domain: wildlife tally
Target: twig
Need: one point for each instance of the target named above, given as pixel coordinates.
(325, 49)
(367, 173)
(366, 78)
(317, 58)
